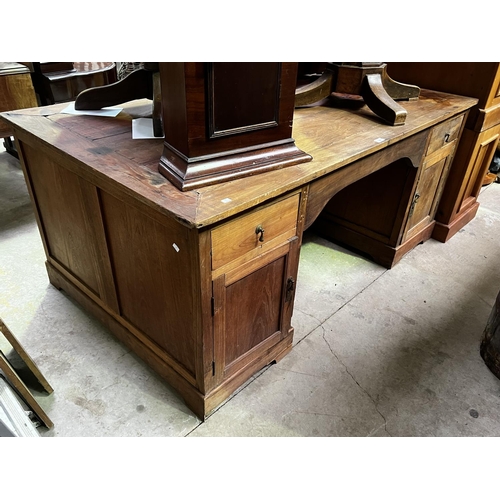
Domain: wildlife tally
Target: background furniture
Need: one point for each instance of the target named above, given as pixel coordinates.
(365, 79)
(201, 283)
(479, 140)
(143, 82)
(490, 345)
(62, 81)
(16, 92)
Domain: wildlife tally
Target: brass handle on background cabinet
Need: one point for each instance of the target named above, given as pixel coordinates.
(260, 230)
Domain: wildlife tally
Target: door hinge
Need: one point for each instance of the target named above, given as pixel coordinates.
(290, 287)
(413, 203)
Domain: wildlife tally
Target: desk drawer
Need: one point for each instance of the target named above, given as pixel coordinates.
(241, 240)
(444, 133)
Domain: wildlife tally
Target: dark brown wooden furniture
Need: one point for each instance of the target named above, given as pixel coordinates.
(490, 344)
(480, 137)
(201, 283)
(16, 92)
(368, 80)
(142, 83)
(56, 82)
(231, 120)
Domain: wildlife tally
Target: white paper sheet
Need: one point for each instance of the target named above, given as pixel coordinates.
(142, 128)
(70, 110)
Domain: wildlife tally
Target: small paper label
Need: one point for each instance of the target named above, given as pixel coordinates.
(380, 139)
(175, 247)
(226, 200)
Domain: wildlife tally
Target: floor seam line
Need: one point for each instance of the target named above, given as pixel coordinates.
(321, 323)
(357, 383)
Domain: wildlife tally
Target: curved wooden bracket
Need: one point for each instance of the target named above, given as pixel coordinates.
(140, 84)
(137, 85)
(380, 102)
(397, 90)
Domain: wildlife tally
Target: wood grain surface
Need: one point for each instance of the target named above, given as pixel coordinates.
(101, 149)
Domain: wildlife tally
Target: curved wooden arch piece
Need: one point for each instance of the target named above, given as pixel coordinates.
(137, 85)
(315, 91)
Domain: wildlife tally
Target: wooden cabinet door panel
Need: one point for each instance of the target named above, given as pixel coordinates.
(253, 312)
(253, 306)
(484, 154)
(494, 96)
(423, 206)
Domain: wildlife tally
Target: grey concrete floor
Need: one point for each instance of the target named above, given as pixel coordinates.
(376, 352)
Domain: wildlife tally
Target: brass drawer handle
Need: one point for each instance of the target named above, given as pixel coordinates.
(260, 230)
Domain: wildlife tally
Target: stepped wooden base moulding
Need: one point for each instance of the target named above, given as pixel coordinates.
(190, 173)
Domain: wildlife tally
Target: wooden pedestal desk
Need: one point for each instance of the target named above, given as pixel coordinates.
(200, 284)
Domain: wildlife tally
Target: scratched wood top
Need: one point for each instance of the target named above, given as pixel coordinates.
(101, 149)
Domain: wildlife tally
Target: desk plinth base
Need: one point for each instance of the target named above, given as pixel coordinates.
(201, 404)
(443, 232)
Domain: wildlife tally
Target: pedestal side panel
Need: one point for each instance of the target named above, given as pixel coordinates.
(59, 199)
(153, 274)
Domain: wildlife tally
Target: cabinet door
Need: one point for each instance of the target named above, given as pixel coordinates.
(252, 309)
(427, 194)
(440, 151)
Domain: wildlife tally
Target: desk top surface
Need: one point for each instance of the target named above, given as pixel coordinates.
(101, 150)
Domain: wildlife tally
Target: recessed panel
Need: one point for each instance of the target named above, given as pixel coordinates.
(60, 199)
(242, 97)
(253, 309)
(152, 269)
